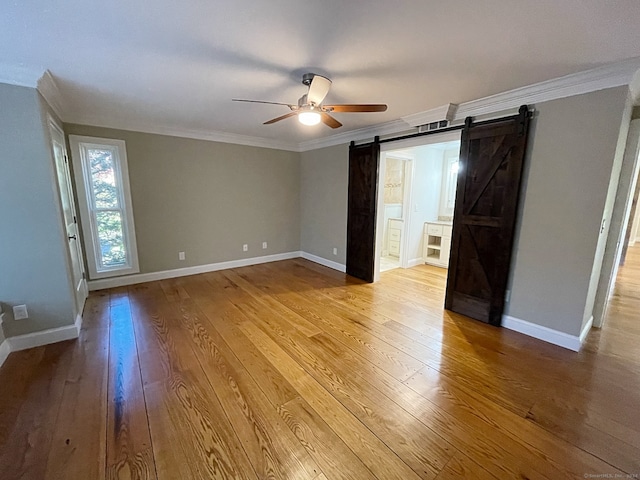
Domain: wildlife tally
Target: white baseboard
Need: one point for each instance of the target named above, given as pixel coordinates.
(585, 330)
(183, 272)
(45, 337)
(212, 267)
(416, 261)
(323, 261)
(69, 332)
(5, 350)
(546, 334)
(37, 339)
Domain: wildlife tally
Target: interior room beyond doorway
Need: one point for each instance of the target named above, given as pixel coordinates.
(416, 203)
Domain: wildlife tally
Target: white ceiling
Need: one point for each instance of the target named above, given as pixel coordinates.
(137, 64)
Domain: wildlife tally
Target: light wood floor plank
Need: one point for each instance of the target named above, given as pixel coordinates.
(78, 449)
(461, 467)
(389, 358)
(129, 451)
(422, 449)
(379, 458)
(293, 370)
(202, 442)
(24, 452)
(334, 456)
(272, 449)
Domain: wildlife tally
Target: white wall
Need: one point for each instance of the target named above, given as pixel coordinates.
(425, 196)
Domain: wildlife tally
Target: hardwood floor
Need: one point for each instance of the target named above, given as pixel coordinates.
(293, 370)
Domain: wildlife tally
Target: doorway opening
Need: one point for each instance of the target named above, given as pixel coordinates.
(417, 187)
(627, 233)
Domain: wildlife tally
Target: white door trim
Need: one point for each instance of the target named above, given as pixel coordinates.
(79, 285)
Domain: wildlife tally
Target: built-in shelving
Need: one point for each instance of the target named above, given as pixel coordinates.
(437, 242)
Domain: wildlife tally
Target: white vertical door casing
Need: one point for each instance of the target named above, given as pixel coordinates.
(67, 203)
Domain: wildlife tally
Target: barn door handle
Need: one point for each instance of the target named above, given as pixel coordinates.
(72, 237)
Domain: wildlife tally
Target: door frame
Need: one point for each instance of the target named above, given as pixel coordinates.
(409, 169)
(409, 194)
(54, 126)
(631, 162)
(408, 160)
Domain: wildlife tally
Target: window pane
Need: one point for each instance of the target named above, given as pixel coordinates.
(112, 250)
(103, 178)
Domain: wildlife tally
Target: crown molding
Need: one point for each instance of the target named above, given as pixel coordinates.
(445, 112)
(48, 88)
(212, 136)
(19, 75)
(600, 78)
(608, 76)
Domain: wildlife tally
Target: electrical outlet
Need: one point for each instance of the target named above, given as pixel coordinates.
(181, 256)
(264, 245)
(20, 312)
(335, 251)
(245, 248)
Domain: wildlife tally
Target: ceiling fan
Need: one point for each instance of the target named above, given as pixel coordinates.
(311, 111)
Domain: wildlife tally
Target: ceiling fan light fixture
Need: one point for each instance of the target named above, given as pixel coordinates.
(311, 111)
(309, 117)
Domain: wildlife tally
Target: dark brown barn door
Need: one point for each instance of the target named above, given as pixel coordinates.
(361, 216)
(491, 158)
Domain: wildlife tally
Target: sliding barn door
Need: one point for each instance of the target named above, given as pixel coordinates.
(491, 158)
(361, 216)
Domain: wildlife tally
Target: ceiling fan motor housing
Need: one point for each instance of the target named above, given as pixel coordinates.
(307, 78)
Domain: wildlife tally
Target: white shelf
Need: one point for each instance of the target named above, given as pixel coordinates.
(437, 242)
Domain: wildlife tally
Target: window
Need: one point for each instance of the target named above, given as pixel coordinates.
(102, 181)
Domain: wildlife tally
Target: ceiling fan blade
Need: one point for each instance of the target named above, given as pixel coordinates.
(374, 107)
(318, 89)
(260, 101)
(329, 120)
(277, 119)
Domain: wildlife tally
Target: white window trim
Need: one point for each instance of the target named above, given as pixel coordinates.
(89, 229)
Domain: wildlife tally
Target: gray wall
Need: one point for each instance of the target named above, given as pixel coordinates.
(207, 198)
(33, 259)
(324, 178)
(569, 163)
(572, 153)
